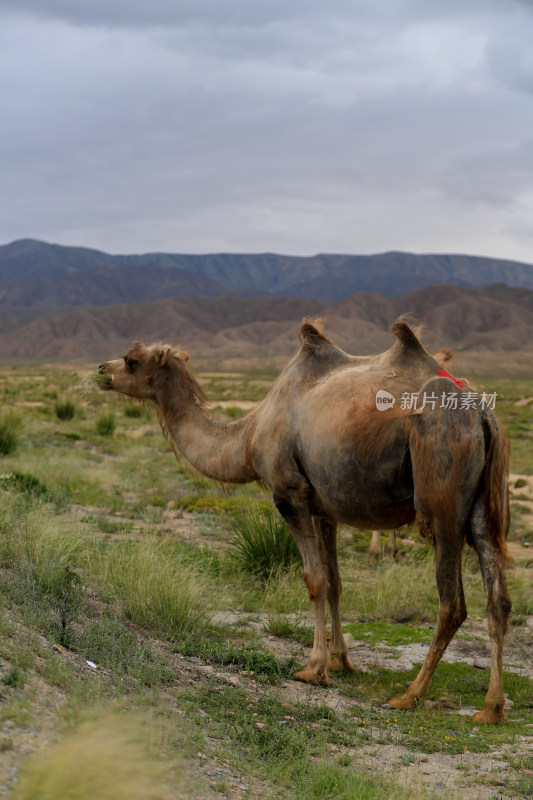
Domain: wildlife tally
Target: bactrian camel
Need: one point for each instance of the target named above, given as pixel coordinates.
(329, 455)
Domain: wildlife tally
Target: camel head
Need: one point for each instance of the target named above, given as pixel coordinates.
(143, 370)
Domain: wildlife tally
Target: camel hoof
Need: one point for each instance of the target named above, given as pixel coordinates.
(311, 676)
(403, 702)
(488, 717)
(340, 663)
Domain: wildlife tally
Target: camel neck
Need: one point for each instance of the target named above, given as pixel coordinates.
(217, 449)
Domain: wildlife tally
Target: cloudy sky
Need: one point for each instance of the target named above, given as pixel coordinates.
(296, 126)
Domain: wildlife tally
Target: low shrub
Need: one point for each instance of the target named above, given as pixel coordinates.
(65, 409)
(10, 427)
(261, 542)
(155, 588)
(134, 412)
(23, 482)
(105, 425)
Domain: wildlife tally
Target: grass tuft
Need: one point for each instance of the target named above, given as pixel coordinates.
(108, 759)
(261, 543)
(65, 409)
(398, 593)
(10, 427)
(155, 588)
(105, 425)
(23, 482)
(35, 543)
(134, 412)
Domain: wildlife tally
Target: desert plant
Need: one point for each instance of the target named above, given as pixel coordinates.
(398, 592)
(23, 482)
(105, 425)
(35, 543)
(134, 412)
(65, 409)
(108, 759)
(111, 643)
(261, 542)
(10, 426)
(155, 588)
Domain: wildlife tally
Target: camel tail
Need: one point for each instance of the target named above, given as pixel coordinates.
(496, 488)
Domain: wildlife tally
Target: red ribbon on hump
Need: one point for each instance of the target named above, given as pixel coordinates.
(458, 381)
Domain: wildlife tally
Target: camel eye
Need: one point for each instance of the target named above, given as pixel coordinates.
(130, 363)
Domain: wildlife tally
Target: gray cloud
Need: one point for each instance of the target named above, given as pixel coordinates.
(293, 127)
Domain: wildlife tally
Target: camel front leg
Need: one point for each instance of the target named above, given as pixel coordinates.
(299, 520)
(452, 613)
(338, 650)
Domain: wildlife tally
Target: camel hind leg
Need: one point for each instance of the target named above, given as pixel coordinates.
(452, 613)
(447, 455)
(374, 551)
(391, 549)
(492, 562)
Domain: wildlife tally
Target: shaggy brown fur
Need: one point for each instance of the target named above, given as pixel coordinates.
(329, 455)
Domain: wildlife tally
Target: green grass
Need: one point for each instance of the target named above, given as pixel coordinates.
(452, 687)
(114, 646)
(211, 501)
(23, 482)
(109, 758)
(134, 412)
(287, 628)
(105, 425)
(289, 747)
(154, 589)
(261, 543)
(391, 634)
(35, 543)
(10, 429)
(217, 650)
(395, 593)
(65, 409)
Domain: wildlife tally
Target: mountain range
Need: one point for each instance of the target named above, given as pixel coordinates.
(40, 275)
(71, 302)
(492, 318)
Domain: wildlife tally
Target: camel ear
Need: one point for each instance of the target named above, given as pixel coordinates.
(162, 356)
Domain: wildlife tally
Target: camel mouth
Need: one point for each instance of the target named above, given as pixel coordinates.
(102, 380)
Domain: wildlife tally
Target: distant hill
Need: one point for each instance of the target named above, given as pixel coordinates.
(108, 284)
(493, 318)
(34, 274)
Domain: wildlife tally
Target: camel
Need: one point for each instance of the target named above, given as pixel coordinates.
(391, 548)
(328, 454)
